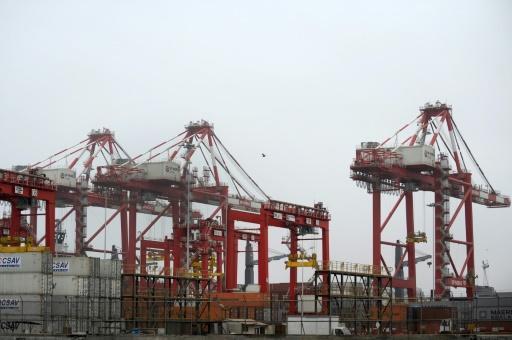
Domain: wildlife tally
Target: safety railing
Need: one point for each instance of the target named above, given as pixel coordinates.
(377, 157)
(26, 180)
(357, 268)
(290, 208)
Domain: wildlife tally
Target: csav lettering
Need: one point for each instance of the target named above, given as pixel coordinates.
(8, 303)
(61, 266)
(10, 262)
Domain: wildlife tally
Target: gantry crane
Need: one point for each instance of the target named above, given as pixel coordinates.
(412, 165)
(242, 201)
(24, 191)
(70, 169)
(165, 181)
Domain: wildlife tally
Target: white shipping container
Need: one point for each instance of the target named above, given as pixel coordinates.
(27, 262)
(109, 288)
(25, 283)
(110, 269)
(67, 325)
(105, 287)
(311, 325)
(12, 325)
(61, 176)
(115, 309)
(116, 288)
(167, 170)
(104, 309)
(28, 305)
(71, 285)
(74, 307)
(307, 304)
(94, 286)
(75, 266)
(94, 308)
(108, 309)
(417, 155)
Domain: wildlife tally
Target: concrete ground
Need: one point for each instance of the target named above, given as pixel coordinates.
(239, 337)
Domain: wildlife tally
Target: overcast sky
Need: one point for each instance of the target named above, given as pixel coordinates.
(302, 81)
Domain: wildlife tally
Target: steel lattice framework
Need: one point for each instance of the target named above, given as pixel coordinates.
(107, 177)
(384, 168)
(24, 191)
(81, 158)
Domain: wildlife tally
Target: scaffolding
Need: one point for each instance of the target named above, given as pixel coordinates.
(168, 304)
(360, 295)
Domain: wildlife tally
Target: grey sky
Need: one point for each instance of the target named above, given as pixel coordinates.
(302, 81)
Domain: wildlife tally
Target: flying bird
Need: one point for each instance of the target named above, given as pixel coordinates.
(263, 155)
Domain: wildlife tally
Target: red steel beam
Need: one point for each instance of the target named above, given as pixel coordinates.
(411, 246)
(388, 218)
(470, 260)
(50, 225)
(453, 265)
(400, 262)
(377, 255)
(153, 222)
(104, 225)
(61, 220)
(263, 254)
(459, 207)
(132, 236)
(292, 296)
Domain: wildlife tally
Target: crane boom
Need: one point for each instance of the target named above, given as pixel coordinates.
(250, 262)
(418, 260)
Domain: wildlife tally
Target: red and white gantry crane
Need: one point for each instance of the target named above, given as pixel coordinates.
(411, 166)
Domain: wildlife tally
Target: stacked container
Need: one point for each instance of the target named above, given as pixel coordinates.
(75, 294)
(107, 320)
(60, 295)
(25, 292)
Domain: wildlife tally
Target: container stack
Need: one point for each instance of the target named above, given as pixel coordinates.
(75, 294)
(59, 295)
(25, 292)
(107, 320)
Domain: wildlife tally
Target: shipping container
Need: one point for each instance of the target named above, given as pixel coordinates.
(21, 314)
(94, 287)
(76, 266)
(306, 304)
(86, 314)
(311, 325)
(417, 155)
(74, 307)
(431, 318)
(110, 269)
(61, 176)
(167, 170)
(28, 305)
(109, 288)
(26, 262)
(30, 325)
(72, 285)
(70, 326)
(25, 283)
